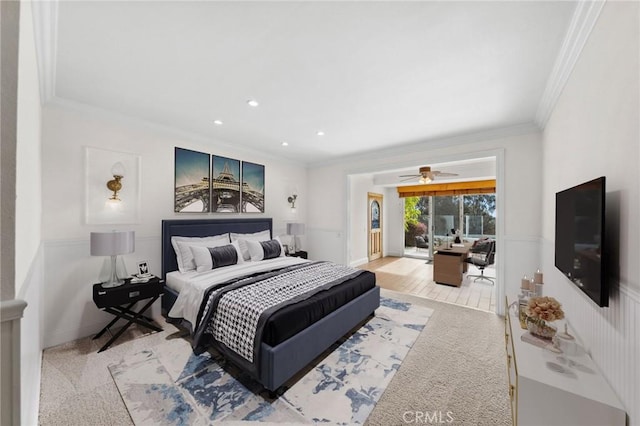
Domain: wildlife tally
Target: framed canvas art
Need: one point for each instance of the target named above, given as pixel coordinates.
(225, 185)
(192, 181)
(252, 188)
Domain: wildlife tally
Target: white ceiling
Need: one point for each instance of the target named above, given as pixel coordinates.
(466, 170)
(369, 74)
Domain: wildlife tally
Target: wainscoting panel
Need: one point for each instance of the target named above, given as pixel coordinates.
(69, 273)
(611, 335)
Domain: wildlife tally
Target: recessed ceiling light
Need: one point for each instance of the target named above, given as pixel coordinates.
(320, 133)
(285, 143)
(218, 122)
(252, 103)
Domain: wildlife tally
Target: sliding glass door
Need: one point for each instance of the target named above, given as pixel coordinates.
(431, 221)
(479, 216)
(417, 227)
(446, 214)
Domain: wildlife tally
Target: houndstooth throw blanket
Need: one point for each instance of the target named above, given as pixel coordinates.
(235, 313)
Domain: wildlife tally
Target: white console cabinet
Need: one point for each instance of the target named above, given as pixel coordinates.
(548, 388)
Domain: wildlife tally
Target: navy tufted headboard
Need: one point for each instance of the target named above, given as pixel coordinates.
(204, 228)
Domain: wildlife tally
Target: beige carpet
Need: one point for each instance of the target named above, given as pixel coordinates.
(455, 371)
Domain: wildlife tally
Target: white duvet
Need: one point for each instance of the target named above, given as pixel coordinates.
(190, 297)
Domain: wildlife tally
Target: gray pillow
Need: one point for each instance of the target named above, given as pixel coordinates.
(271, 249)
(223, 256)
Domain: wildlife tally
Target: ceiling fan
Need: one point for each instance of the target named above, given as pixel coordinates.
(426, 175)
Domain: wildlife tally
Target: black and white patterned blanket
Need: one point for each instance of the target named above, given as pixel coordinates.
(234, 313)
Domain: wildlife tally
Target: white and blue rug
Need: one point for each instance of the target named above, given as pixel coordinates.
(169, 385)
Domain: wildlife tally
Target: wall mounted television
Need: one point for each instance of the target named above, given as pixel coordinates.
(580, 237)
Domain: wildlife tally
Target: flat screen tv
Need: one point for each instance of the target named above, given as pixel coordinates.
(579, 244)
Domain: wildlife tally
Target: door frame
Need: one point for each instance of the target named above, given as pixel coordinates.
(371, 197)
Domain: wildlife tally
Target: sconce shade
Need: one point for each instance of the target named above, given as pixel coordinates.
(112, 243)
(295, 228)
(118, 169)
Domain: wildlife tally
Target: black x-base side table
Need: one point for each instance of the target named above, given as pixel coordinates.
(118, 301)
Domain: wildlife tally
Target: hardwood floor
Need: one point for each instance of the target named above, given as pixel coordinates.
(414, 276)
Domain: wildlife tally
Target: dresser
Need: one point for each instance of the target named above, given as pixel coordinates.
(548, 388)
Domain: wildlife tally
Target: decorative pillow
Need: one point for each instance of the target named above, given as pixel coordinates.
(183, 252)
(262, 250)
(207, 258)
(243, 238)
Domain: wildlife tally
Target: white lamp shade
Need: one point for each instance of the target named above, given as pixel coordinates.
(295, 228)
(112, 243)
(118, 169)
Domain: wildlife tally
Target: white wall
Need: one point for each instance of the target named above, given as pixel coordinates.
(394, 225)
(69, 270)
(518, 153)
(595, 131)
(29, 259)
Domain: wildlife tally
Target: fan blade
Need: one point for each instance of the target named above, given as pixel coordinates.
(408, 179)
(438, 173)
(411, 176)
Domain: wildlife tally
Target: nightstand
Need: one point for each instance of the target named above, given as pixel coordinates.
(118, 301)
(302, 254)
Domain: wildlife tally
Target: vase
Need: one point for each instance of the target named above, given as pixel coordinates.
(540, 328)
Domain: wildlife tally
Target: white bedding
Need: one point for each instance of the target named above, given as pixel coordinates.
(192, 285)
(176, 280)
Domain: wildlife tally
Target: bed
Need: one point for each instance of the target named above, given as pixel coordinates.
(280, 358)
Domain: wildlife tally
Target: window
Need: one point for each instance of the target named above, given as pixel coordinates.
(473, 215)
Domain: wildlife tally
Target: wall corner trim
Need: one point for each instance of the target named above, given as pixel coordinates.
(584, 19)
(45, 28)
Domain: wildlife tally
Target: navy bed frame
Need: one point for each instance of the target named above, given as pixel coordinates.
(281, 362)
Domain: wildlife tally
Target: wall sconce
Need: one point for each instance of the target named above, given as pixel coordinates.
(114, 184)
(292, 202)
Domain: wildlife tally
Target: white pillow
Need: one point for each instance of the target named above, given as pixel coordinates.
(204, 261)
(243, 238)
(256, 251)
(183, 252)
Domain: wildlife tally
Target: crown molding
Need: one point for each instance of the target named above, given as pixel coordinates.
(119, 118)
(584, 19)
(419, 147)
(45, 28)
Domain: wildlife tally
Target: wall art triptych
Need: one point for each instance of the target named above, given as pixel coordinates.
(210, 183)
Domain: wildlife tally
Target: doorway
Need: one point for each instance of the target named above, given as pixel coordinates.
(374, 221)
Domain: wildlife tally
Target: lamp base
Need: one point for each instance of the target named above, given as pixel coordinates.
(110, 284)
(114, 280)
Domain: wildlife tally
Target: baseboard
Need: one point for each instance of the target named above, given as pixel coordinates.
(358, 262)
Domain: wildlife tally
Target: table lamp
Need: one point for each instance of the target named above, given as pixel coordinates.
(112, 244)
(295, 229)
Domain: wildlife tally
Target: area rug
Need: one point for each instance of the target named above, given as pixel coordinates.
(169, 385)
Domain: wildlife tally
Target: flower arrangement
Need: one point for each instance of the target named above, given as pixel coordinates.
(544, 308)
(541, 310)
